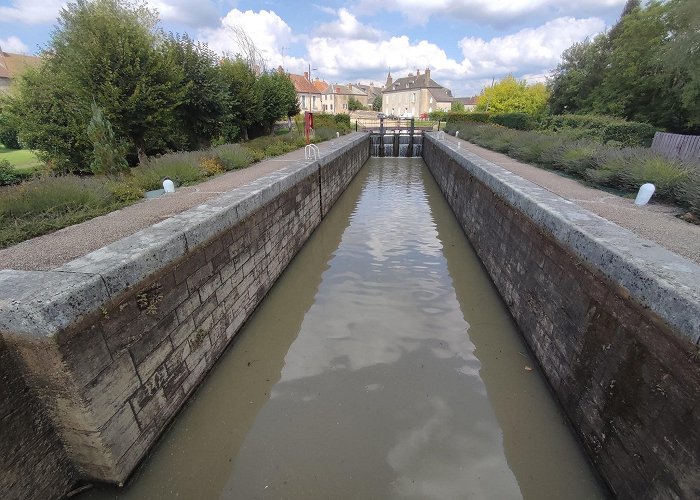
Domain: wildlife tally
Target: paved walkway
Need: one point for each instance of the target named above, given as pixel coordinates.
(656, 222)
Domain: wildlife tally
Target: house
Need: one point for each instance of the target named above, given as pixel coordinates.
(12, 66)
(336, 97)
(308, 95)
(469, 103)
(415, 95)
(371, 91)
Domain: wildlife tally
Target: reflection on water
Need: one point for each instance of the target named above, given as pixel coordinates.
(381, 365)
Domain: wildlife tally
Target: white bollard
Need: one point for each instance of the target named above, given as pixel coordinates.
(644, 194)
(168, 186)
(456, 133)
(337, 134)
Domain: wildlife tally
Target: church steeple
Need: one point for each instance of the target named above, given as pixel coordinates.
(389, 81)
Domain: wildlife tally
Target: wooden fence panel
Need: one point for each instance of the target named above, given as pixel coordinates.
(676, 145)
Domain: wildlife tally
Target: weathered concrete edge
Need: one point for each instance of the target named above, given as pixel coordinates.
(42, 303)
(657, 278)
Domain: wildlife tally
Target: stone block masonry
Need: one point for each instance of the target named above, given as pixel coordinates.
(613, 320)
(105, 349)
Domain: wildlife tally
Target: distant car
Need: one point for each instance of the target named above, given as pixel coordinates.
(381, 115)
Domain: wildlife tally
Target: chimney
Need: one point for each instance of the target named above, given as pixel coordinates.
(306, 75)
(427, 76)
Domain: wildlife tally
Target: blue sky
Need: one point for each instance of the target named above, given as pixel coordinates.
(465, 43)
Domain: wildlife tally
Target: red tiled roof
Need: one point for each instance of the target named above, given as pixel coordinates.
(320, 85)
(303, 85)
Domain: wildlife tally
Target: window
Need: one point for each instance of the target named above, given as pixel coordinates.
(413, 97)
(431, 100)
(303, 102)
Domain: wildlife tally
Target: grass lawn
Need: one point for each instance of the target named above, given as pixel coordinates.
(21, 159)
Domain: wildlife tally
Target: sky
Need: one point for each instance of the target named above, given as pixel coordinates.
(465, 43)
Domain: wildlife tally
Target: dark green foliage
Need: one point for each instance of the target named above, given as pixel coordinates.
(108, 153)
(277, 98)
(338, 123)
(518, 121)
(9, 136)
(644, 69)
(457, 107)
(205, 103)
(9, 176)
(354, 104)
(438, 115)
(602, 128)
(467, 117)
(243, 100)
(377, 103)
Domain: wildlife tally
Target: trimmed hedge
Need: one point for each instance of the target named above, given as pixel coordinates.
(518, 121)
(457, 117)
(602, 128)
(341, 122)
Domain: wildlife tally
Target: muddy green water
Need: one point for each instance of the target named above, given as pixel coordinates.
(382, 364)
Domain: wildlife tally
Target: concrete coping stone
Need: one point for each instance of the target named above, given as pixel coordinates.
(657, 278)
(43, 303)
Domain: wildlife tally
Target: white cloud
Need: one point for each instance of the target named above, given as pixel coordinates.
(197, 14)
(528, 50)
(347, 27)
(13, 44)
(31, 11)
(491, 12)
(273, 37)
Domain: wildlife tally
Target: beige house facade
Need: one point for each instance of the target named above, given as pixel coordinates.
(335, 98)
(414, 95)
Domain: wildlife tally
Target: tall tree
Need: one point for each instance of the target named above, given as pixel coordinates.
(243, 98)
(278, 99)
(682, 55)
(109, 51)
(511, 95)
(205, 102)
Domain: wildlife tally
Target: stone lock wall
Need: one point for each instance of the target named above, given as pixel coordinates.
(613, 320)
(112, 344)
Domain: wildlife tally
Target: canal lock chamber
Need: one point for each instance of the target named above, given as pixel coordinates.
(220, 261)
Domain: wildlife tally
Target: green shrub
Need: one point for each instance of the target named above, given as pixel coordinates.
(438, 115)
(533, 147)
(575, 157)
(340, 122)
(629, 133)
(689, 192)
(125, 192)
(518, 121)
(602, 128)
(181, 168)
(629, 168)
(234, 156)
(9, 175)
(43, 205)
(454, 118)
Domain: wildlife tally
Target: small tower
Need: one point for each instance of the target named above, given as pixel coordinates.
(389, 81)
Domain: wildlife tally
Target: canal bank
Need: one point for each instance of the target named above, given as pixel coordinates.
(106, 348)
(613, 319)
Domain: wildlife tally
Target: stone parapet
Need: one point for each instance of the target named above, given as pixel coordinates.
(613, 320)
(110, 345)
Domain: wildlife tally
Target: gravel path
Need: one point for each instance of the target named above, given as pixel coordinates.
(656, 222)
